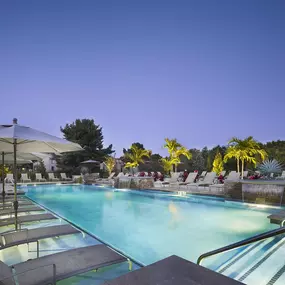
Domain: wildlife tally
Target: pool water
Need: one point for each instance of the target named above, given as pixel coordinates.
(149, 226)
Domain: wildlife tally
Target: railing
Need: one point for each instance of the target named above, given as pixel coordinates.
(242, 243)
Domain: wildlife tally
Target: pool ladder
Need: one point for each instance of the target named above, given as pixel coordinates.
(242, 243)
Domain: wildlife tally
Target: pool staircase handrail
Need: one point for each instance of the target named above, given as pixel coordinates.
(242, 243)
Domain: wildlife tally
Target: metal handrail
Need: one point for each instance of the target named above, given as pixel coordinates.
(244, 242)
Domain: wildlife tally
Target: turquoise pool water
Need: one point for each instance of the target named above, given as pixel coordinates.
(149, 226)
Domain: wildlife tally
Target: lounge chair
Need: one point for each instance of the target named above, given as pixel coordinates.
(27, 219)
(121, 174)
(64, 177)
(21, 204)
(9, 189)
(233, 176)
(173, 270)
(24, 178)
(13, 238)
(51, 177)
(55, 267)
(282, 175)
(40, 178)
(9, 178)
(11, 211)
(173, 179)
(109, 178)
(202, 175)
(190, 179)
(208, 180)
(8, 199)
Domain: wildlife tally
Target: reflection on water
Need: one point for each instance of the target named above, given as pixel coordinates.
(109, 195)
(175, 216)
(172, 209)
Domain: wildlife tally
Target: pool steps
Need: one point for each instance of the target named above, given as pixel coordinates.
(261, 263)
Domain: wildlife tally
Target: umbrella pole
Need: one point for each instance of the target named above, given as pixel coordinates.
(15, 183)
(3, 168)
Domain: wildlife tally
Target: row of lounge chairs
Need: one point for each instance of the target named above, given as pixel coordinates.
(205, 179)
(39, 177)
(50, 268)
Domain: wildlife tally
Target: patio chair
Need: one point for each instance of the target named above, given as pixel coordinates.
(202, 175)
(24, 178)
(13, 238)
(9, 189)
(9, 178)
(64, 177)
(208, 180)
(6, 212)
(51, 177)
(108, 178)
(40, 178)
(233, 176)
(55, 267)
(21, 204)
(26, 219)
(173, 179)
(282, 175)
(190, 179)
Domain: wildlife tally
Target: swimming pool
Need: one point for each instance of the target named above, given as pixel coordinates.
(151, 225)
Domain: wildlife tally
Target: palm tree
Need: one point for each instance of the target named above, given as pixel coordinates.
(232, 152)
(245, 150)
(167, 163)
(110, 163)
(136, 156)
(176, 150)
(172, 145)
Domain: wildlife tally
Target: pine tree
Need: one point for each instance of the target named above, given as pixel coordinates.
(90, 136)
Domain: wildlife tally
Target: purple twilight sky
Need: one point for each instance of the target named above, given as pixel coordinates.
(196, 70)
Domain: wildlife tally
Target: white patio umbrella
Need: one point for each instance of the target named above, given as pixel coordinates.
(90, 161)
(23, 139)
